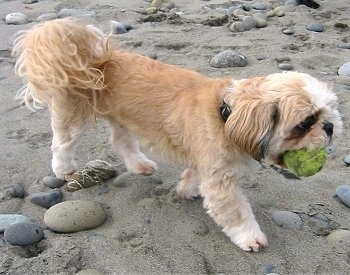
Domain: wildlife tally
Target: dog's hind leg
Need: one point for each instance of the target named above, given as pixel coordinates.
(126, 145)
(188, 187)
(67, 128)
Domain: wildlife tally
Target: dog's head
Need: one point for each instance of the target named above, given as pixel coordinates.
(284, 111)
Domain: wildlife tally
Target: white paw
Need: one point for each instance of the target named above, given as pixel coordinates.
(63, 170)
(248, 238)
(140, 165)
(187, 191)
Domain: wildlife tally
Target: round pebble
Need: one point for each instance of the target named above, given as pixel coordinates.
(268, 269)
(8, 219)
(288, 31)
(340, 240)
(281, 59)
(347, 160)
(17, 191)
(47, 199)
(16, 18)
(285, 66)
(259, 6)
(271, 13)
(53, 182)
(73, 216)
(68, 12)
(291, 3)
(331, 150)
(46, 17)
(315, 27)
(344, 46)
(163, 4)
(260, 22)
(240, 12)
(344, 70)
(260, 15)
(286, 219)
(12, 191)
(239, 27)
(343, 193)
(279, 13)
(247, 7)
(249, 22)
(24, 233)
(30, 1)
(228, 59)
(117, 27)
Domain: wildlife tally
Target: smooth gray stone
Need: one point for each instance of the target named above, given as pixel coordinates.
(53, 182)
(16, 18)
(287, 219)
(8, 219)
(228, 59)
(259, 6)
(25, 233)
(47, 199)
(117, 27)
(344, 46)
(347, 160)
(344, 70)
(239, 27)
(46, 17)
(331, 150)
(316, 27)
(343, 192)
(288, 31)
(285, 66)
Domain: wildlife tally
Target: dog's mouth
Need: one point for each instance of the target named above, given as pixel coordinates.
(277, 163)
(276, 160)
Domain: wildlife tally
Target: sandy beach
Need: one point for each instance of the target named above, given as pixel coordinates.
(149, 230)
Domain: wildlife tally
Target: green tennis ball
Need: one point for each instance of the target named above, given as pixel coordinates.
(305, 163)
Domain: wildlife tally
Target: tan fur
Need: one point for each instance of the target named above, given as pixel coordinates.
(75, 71)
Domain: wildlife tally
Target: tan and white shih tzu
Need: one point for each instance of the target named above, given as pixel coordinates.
(218, 127)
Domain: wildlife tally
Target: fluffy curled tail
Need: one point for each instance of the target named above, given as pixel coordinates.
(62, 57)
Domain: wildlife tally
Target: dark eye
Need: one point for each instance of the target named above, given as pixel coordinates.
(307, 123)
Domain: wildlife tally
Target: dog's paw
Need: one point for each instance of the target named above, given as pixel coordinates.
(141, 165)
(63, 170)
(187, 191)
(250, 239)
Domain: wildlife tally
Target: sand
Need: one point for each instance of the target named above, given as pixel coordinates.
(148, 229)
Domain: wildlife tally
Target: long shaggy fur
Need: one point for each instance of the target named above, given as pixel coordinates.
(54, 59)
(78, 74)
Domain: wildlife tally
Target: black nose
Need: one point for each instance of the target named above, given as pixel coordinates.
(328, 128)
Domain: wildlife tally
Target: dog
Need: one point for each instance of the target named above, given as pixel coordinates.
(220, 128)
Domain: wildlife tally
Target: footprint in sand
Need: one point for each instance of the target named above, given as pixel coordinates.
(35, 140)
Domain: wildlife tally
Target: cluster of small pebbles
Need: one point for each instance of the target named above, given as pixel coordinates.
(60, 216)
(240, 17)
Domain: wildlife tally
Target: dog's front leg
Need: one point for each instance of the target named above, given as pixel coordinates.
(230, 209)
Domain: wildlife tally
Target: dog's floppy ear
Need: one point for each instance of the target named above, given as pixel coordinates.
(252, 122)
